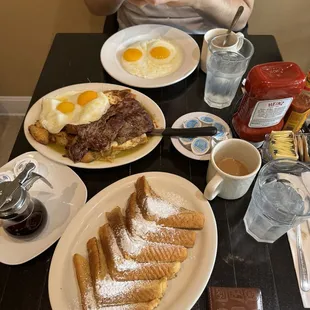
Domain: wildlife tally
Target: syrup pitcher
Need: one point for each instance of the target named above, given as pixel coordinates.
(21, 214)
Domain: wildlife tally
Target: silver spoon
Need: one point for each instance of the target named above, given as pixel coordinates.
(233, 23)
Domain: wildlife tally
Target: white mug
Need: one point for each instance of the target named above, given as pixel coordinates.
(229, 186)
(237, 42)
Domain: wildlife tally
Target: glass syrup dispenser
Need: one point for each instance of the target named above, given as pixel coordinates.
(22, 215)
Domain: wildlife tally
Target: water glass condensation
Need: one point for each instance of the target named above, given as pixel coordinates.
(280, 200)
(225, 69)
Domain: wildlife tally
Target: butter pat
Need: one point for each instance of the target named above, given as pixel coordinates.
(200, 146)
(186, 141)
(206, 121)
(221, 134)
(192, 123)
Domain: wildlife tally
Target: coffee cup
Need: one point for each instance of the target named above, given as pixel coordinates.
(233, 166)
(235, 43)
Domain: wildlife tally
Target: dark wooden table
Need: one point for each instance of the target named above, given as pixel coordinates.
(241, 261)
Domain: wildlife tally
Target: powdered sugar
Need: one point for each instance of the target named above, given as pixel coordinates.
(130, 245)
(160, 208)
(110, 289)
(121, 264)
(127, 265)
(174, 198)
(120, 307)
(141, 226)
(90, 299)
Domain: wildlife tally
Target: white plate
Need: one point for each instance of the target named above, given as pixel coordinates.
(184, 290)
(62, 203)
(179, 124)
(156, 113)
(113, 48)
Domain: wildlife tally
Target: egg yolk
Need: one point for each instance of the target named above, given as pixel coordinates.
(160, 52)
(65, 107)
(132, 54)
(86, 97)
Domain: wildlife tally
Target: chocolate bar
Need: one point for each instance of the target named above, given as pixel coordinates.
(229, 298)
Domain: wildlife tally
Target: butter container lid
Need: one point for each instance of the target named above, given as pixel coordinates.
(200, 146)
(186, 141)
(220, 131)
(206, 120)
(192, 123)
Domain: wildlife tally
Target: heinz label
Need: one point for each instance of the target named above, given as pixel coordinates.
(269, 112)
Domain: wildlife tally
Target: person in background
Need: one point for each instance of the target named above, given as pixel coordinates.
(192, 16)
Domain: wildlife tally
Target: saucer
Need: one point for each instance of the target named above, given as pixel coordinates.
(218, 122)
(62, 203)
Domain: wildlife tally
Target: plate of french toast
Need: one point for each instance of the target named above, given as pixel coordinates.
(147, 241)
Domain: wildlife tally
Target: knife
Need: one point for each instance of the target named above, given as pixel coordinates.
(184, 132)
(303, 273)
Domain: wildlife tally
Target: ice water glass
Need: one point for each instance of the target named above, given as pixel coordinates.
(280, 200)
(225, 69)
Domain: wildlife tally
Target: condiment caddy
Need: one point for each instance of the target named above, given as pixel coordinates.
(286, 145)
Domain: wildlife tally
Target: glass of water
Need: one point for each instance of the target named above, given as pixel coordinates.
(280, 200)
(225, 69)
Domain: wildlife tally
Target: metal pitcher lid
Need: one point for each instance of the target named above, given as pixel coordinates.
(14, 193)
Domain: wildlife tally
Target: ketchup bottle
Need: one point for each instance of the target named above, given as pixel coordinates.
(269, 91)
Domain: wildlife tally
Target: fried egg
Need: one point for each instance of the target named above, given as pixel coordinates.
(74, 108)
(152, 59)
(161, 52)
(135, 53)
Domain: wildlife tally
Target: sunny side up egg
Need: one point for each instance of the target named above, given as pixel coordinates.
(74, 108)
(152, 59)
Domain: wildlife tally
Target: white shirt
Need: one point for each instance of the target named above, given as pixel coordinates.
(185, 18)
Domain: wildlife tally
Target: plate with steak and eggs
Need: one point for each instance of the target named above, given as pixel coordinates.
(94, 125)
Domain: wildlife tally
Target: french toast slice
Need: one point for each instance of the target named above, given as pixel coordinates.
(139, 249)
(83, 276)
(137, 225)
(154, 208)
(140, 306)
(122, 269)
(110, 292)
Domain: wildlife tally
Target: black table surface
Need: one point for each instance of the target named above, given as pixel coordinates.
(241, 261)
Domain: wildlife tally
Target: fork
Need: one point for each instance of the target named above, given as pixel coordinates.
(303, 273)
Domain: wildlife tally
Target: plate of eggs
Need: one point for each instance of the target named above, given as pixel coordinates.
(150, 56)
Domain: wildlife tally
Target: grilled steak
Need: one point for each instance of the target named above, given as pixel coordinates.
(122, 122)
